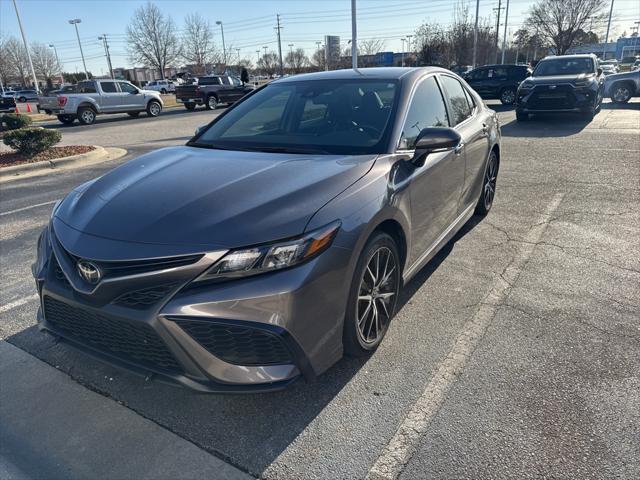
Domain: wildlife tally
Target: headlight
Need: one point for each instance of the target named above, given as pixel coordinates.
(276, 256)
(583, 83)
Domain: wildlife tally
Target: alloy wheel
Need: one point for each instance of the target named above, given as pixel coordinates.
(212, 102)
(508, 97)
(490, 178)
(88, 116)
(621, 94)
(154, 109)
(377, 295)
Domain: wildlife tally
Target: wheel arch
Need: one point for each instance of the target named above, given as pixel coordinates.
(628, 82)
(90, 105)
(394, 229)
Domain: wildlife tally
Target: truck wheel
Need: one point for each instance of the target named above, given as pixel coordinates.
(86, 115)
(621, 92)
(190, 106)
(66, 119)
(508, 96)
(154, 108)
(133, 114)
(212, 102)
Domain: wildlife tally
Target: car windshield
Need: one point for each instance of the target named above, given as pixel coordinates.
(345, 117)
(564, 66)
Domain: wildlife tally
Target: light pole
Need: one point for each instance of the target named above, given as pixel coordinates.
(504, 38)
(606, 38)
(475, 36)
(354, 36)
(224, 50)
(238, 54)
(265, 49)
(26, 47)
(409, 44)
(75, 23)
(106, 52)
(402, 40)
(55, 50)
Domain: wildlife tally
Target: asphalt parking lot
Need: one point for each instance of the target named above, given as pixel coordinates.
(515, 352)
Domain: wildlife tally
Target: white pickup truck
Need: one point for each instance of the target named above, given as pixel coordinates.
(162, 86)
(94, 97)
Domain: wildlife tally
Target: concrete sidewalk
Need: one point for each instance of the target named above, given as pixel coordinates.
(51, 427)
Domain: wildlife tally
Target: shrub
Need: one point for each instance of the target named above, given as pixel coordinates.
(12, 121)
(32, 140)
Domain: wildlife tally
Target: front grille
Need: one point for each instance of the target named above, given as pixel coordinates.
(145, 297)
(237, 344)
(560, 98)
(134, 342)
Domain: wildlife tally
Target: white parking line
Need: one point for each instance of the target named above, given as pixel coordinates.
(10, 212)
(397, 453)
(18, 303)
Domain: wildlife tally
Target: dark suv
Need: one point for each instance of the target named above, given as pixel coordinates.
(211, 91)
(568, 83)
(498, 81)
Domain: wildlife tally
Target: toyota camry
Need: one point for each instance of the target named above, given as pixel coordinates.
(278, 238)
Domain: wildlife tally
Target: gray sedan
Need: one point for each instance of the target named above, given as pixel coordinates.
(622, 86)
(279, 237)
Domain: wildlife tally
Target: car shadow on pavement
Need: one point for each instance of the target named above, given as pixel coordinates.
(546, 125)
(248, 431)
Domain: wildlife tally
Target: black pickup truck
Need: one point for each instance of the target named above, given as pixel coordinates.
(211, 91)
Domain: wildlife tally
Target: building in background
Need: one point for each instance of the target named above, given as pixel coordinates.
(624, 47)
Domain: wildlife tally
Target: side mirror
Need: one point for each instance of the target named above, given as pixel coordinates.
(599, 71)
(432, 140)
(199, 129)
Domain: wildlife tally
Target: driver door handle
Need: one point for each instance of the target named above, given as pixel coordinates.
(459, 148)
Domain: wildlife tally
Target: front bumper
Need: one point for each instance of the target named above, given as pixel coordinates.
(254, 334)
(562, 98)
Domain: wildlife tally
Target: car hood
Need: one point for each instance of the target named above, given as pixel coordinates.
(556, 79)
(209, 198)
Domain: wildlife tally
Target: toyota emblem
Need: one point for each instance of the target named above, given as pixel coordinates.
(89, 272)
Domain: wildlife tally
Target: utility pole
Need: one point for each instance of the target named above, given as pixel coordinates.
(498, 26)
(504, 39)
(354, 37)
(402, 40)
(278, 28)
(238, 54)
(55, 50)
(475, 36)
(224, 50)
(606, 38)
(26, 47)
(75, 23)
(106, 52)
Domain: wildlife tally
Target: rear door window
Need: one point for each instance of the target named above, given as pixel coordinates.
(460, 108)
(109, 87)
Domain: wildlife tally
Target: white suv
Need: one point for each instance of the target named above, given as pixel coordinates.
(162, 86)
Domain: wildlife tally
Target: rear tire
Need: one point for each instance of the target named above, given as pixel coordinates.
(211, 103)
(190, 106)
(508, 96)
(66, 119)
(373, 296)
(22, 99)
(154, 108)
(521, 116)
(489, 182)
(86, 115)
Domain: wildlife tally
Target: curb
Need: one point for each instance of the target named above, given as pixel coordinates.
(99, 154)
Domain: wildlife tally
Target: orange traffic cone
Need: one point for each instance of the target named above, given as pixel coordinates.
(17, 109)
(28, 108)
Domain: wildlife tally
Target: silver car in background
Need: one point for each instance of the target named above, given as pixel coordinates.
(621, 87)
(91, 98)
(279, 237)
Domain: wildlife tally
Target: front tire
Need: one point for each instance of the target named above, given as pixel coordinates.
(508, 96)
(621, 92)
(154, 108)
(212, 102)
(373, 295)
(86, 115)
(488, 185)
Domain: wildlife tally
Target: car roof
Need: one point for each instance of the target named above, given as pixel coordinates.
(494, 65)
(580, 55)
(375, 73)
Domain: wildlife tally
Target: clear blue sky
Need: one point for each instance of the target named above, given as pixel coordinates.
(249, 24)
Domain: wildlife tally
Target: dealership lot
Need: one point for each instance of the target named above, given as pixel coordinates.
(515, 353)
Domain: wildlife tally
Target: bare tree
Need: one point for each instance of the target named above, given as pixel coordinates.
(152, 38)
(297, 60)
(371, 46)
(198, 46)
(561, 22)
(318, 59)
(44, 61)
(269, 63)
(16, 62)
